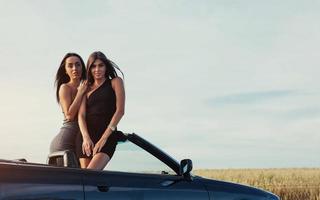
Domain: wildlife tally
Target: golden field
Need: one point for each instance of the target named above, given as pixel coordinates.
(288, 184)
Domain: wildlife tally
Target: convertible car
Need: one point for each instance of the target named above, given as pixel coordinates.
(61, 178)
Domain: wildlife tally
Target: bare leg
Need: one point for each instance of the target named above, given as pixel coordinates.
(84, 162)
(99, 161)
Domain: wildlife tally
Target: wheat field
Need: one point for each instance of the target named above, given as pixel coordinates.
(288, 184)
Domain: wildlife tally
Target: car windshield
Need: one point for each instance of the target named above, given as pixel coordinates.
(129, 157)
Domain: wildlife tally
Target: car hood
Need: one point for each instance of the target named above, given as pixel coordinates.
(222, 190)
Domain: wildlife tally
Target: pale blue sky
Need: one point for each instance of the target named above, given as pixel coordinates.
(225, 83)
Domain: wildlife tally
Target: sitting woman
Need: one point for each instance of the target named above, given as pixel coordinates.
(100, 112)
(69, 93)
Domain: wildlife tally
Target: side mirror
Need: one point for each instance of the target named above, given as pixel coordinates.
(186, 168)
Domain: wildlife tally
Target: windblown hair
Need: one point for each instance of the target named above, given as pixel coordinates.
(62, 77)
(111, 67)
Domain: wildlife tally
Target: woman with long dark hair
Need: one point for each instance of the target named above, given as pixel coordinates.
(71, 86)
(100, 112)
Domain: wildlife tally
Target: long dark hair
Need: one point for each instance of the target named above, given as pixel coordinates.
(110, 66)
(62, 77)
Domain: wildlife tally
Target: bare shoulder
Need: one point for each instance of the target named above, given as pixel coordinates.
(117, 81)
(65, 87)
(65, 91)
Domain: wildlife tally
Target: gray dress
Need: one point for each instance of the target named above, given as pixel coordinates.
(66, 138)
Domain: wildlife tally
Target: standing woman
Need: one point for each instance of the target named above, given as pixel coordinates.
(71, 87)
(100, 112)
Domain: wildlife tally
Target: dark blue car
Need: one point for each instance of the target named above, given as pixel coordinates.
(63, 179)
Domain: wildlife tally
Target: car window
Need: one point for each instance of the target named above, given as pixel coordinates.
(129, 157)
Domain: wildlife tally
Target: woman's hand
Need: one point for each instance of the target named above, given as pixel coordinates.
(97, 148)
(82, 88)
(87, 146)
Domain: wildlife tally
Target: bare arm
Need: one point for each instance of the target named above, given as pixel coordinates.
(118, 87)
(82, 118)
(87, 144)
(70, 107)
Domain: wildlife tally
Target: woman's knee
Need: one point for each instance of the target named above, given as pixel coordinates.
(84, 162)
(99, 161)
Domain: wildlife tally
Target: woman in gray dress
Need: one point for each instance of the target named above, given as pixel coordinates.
(71, 86)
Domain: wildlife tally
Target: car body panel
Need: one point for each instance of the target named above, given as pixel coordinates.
(170, 187)
(26, 181)
(221, 190)
(113, 185)
(121, 185)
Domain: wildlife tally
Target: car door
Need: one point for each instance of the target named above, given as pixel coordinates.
(140, 186)
(141, 171)
(165, 180)
(169, 187)
(112, 185)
